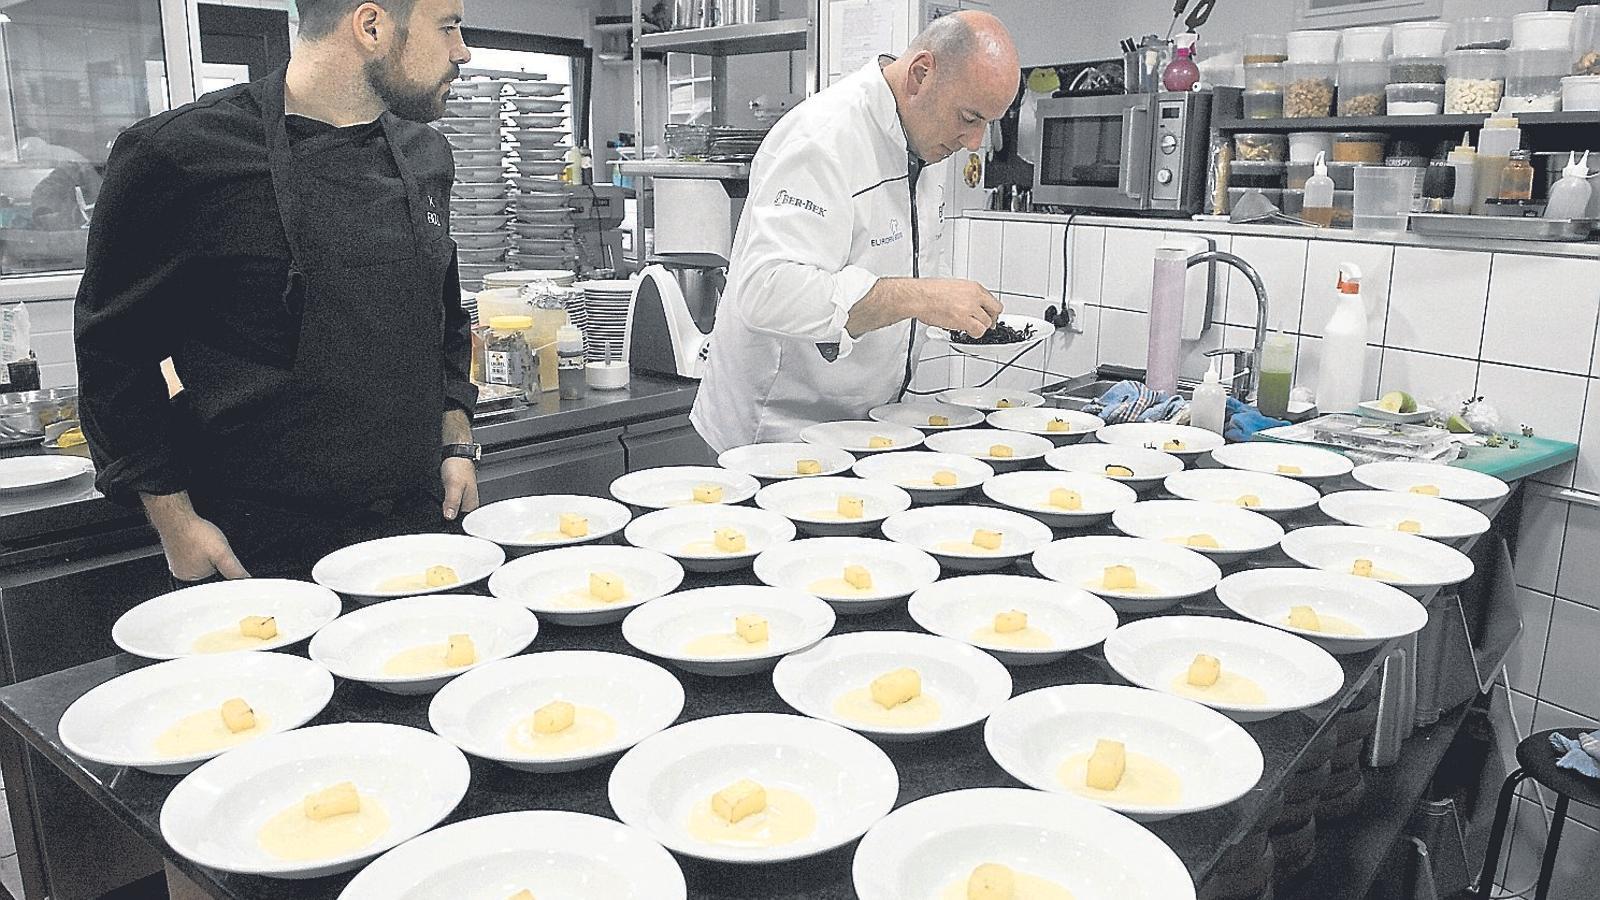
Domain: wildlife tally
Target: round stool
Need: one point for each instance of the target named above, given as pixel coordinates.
(1536, 759)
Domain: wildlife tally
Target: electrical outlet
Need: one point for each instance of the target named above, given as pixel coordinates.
(1075, 313)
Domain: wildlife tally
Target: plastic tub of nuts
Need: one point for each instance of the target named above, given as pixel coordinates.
(1476, 81)
(1361, 87)
(1310, 91)
(1260, 147)
(1364, 147)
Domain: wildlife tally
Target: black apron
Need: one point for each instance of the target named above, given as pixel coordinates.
(350, 450)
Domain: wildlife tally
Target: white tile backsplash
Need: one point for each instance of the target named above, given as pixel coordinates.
(1569, 670)
(1124, 338)
(1056, 287)
(1129, 264)
(985, 242)
(50, 315)
(1549, 715)
(1086, 264)
(1026, 258)
(1437, 300)
(961, 243)
(1550, 402)
(1431, 379)
(1586, 475)
(1072, 354)
(1281, 263)
(1323, 259)
(1580, 558)
(1539, 538)
(1526, 659)
(1542, 312)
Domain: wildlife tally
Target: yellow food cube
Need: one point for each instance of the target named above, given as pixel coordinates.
(1249, 501)
(1426, 490)
(1304, 618)
(1003, 404)
(1362, 568)
(939, 421)
(1290, 470)
(730, 540)
(740, 800)
(1410, 526)
(1174, 445)
(574, 525)
(557, 715)
(238, 716)
(1205, 670)
(1203, 541)
(1010, 620)
(1057, 426)
(263, 627)
(1065, 499)
(339, 800)
(440, 576)
(1120, 578)
(858, 577)
(707, 493)
(460, 651)
(808, 467)
(945, 478)
(1002, 451)
(991, 881)
(751, 627)
(1118, 472)
(852, 507)
(606, 588)
(988, 540)
(1107, 764)
(897, 687)
(523, 894)
(879, 443)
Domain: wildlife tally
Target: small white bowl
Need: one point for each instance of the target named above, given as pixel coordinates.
(916, 414)
(946, 532)
(1291, 671)
(1156, 435)
(1382, 613)
(359, 645)
(673, 486)
(215, 813)
(977, 442)
(1149, 466)
(991, 399)
(479, 711)
(686, 534)
(929, 847)
(817, 567)
(846, 779)
(1270, 457)
(1441, 520)
(967, 683)
(167, 626)
(812, 504)
(1413, 564)
(1037, 419)
(361, 569)
(914, 471)
(1240, 531)
(1373, 410)
(533, 523)
(663, 629)
(555, 583)
(118, 722)
(1454, 483)
(856, 437)
(777, 462)
(1029, 492)
(556, 853)
(1172, 573)
(1034, 733)
(1280, 497)
(964, 608)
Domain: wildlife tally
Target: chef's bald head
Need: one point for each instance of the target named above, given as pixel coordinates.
(957, 76)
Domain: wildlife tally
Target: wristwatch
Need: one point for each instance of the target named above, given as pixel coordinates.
(473, 452)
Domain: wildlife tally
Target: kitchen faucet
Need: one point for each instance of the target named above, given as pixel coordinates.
(1247, 363)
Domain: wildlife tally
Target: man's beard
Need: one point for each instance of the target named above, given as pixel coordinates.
(405, 98)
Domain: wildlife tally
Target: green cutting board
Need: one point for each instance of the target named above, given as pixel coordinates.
(1532, 456)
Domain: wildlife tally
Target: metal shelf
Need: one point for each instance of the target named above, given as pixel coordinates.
(779, 36)
(673, 168)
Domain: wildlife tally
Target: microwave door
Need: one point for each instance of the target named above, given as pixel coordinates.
(1094, 153)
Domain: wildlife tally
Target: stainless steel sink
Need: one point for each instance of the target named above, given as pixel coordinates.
(1075, 393)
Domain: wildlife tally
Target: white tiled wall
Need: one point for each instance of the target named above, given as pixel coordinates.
(51, 321)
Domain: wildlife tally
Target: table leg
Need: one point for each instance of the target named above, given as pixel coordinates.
(1548, 868)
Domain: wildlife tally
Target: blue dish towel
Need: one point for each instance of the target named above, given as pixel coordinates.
(1244, 421)
(1581, 755)
(1130, 401)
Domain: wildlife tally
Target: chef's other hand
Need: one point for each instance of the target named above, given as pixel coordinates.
(460, 477)
(956, 304)
(195, 548)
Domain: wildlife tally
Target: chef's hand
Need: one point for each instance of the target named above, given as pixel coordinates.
(195, 548)
(460, 477)
(954, 304)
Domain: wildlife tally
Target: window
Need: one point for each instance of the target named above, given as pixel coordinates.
(558, 59)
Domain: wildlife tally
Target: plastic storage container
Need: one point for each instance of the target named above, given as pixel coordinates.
(1542, 30)
(1265, 77)
(1263, 104)
(1260, 147)
(1368, 43)
(1481, 33)
(1586, 41)
(1364, 147)
(1580, 93)
(1310, 92)
(1533, 79)
(1414, 99)
(1265, 48)
(1305, 145)
(1361, 87)
(1383, 197)
(1314, 47)
(1476, 81)
(1413, 39)
(1417, 70)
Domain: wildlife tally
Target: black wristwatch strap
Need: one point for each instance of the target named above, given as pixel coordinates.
(473, 452)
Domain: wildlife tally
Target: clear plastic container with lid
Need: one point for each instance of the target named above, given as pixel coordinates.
(1260, 147)
(1361, 87)
(1420, 39)
(1365, 44)
(1475, 82)
(1262, 49)
(1533, 79)
(1314, 47)
(1265, 76)
(1263, 104)
(1586, 41)
(1481, 33)
(1542, 30)
(1415, 99)
(1310, 92)
(1417, 70)
(1365, 147)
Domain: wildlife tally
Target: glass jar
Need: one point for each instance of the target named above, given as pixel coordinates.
(1310, 92)
(1475, 82)
(1367, 43)
(1517, 182)
(507, 358)
(1417, 70)
(1260, 147)
(1361, 87)
(1415, 99)
(1586, 41)
(1533, 79)
(1261, 49)
(1481, 33)
(1365, 147)
(1420, 39)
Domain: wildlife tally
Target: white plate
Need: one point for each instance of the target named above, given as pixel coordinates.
(476, 88)
(481, 224)
(537, 137)
(686, 535)
(915, 415)
(1036, 420)
(493, 240)
(543, 582)
(214, 814)
(964, 608)
(1454, 483)
(1371, 410)
(491, 174)
(475, 107)
(460, 141)
(1033, 734)
(966, 683)
(480, 190)
(1155, 435)
(1240, 532)
(536, 88)
(542, 203)
(537, 105)
(360, 569)
(856, 437)
(1279, 496)
(1029, 492)
(897, 571)
(813, 503)
(1291, 671)
(1149, 466)
(481, 125)
(990, 399)
(930, 847)
(1441, 520)
(479, 711)
(118, 722)
(540, 120)
(776, 462)
(1042, 331)
(1315, 464)
(848, 781)
(1381, 612)
(534, 523)
(914, 471)
(1026, 449)
(1172, 573)
(672, 486)
(947, 532)
(358, 646)
(22, 473)
(795, 620)
(166, 626)
(551, 852)
(1413, 564)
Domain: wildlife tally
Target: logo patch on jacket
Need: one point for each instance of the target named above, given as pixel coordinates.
(785, 198)
(895, 234)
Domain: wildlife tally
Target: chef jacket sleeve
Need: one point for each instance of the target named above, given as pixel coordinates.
(127, 318)
(459, 391)
(791, 275)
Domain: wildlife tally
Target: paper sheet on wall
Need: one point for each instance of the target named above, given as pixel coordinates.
(863, 30)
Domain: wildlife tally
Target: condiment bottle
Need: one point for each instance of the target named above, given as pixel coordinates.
(1182, 74)
(569, 343)
(1517, 181)
(1464, 159)
(1500, 136)
(1209, 408)
(1569, 199)
(1277, 375)
(1438, 187)
(1318, 209)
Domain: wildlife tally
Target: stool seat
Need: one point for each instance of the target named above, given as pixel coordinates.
(1538, 758)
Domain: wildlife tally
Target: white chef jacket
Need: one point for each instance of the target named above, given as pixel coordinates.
(828, 214)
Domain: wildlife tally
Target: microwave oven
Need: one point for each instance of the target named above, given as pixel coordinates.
(1128, 152)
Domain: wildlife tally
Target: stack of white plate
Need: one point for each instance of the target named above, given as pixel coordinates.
(608, 306)
(537, 124)
(480, 198)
